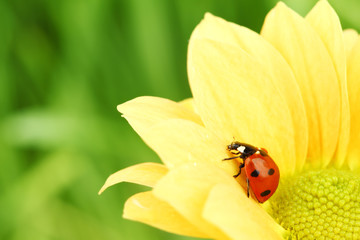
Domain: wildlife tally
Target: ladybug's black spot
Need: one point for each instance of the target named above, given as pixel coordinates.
(265, 193)
(271, 171)
(255, 173)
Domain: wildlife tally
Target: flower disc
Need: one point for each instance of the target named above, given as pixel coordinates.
(322, 204)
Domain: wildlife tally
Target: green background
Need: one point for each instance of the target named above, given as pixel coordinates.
(64, 66)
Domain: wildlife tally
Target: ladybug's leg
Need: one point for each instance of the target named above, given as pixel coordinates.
(248, 188)
(230, 158)
(240, 167)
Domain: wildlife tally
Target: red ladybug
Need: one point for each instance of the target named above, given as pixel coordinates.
(262, 173)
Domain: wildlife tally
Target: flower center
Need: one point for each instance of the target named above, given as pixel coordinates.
(322, 204)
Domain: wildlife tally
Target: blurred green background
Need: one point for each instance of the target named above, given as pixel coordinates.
(64, 66)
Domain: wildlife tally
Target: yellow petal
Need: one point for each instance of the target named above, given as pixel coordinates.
(314, 71)
(350, 38)
(271, 61)
(143, 112)
(146, 208)
(144, 173)
(187, 188)
(353, 72)
(236, 97)
(189, 104)
(231, 211)
(326, 23)
(180, 141)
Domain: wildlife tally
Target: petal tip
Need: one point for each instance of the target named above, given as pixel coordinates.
(350, 31)
(324, 5)
(102, 189)
(118, 107)
(281, 5)
(208, 15)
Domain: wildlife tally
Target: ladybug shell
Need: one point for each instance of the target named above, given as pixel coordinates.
(263, 175)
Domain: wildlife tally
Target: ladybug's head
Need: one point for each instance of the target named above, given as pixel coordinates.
(243, 149)
(234, 147)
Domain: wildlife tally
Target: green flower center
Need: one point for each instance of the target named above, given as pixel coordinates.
(322, 204)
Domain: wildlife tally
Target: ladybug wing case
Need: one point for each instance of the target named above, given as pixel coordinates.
(263, 175)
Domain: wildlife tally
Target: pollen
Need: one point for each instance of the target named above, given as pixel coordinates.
(322, 204)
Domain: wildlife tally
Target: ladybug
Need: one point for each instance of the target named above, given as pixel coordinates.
(262, 173)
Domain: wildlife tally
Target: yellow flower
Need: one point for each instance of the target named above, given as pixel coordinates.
(293, 89)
